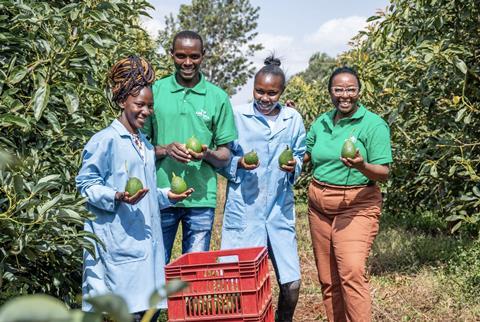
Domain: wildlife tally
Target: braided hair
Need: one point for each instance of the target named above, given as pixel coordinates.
(129, 76)
(272, 67)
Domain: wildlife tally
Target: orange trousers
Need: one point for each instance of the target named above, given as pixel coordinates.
(343, 224)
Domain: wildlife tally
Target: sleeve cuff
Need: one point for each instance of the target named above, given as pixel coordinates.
(162, 197)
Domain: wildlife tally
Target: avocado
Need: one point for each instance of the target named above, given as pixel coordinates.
(194, 144)
(133, 186)
(251, 158)
(178, 185)
(348, 149)
(285, 156)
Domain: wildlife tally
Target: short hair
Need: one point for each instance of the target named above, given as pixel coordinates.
(187, 34)
(129, 76)
(343, 70)
(272, 67)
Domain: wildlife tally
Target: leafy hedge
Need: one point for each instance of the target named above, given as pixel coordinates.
(54, 56)
(420, 66)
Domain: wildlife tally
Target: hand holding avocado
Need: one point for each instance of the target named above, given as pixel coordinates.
(357, 162)
(351, 156)
(127, 198)
(286, 161)
(195, 148)
(178, 151)
(249, 161)
(178, 189)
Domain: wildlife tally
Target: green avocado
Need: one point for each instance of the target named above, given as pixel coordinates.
(251, 157)
(194, 144)
(285, 156)
(348, 149)
(133, 186)
(178, 185)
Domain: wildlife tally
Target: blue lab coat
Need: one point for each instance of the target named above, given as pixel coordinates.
(132, 263)
(259, 209)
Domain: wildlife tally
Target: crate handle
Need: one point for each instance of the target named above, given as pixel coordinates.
(227, 259)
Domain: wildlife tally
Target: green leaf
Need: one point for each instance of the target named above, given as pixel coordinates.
(17, 74)
(34, 308)
(433, 171)
(10, 119)
(70, 97)
(460, 114)
(79, 316)
(89, 49)
(49, 204)
(461, 65)
(96, 38)
(428, 57)
(52, 119)
(455, 217)
(456, 227)
(175, 286)
(51, 177)
(155, 298)
(476, 191)
(40, 100)
(112, 304)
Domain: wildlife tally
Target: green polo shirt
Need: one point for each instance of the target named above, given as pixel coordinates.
(181, 112)
(325, 140)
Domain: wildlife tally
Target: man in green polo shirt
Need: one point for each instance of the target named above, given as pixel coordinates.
(186, 105)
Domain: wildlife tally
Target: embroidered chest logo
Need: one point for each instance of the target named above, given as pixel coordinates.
(203, 115)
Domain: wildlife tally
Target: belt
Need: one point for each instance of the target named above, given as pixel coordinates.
(334, 186)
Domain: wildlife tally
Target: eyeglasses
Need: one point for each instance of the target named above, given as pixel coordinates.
(351, 91)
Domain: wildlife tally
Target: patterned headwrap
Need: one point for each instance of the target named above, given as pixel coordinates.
(129, 76)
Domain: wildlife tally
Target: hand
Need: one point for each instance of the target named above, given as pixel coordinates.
(174, 197)
(243, 165)
(357, 162)
(125, 196)
(198, 156)
(290, 167)
(178, 152)
(290, 103)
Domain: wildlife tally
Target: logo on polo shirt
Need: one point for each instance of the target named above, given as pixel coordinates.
(203, 114)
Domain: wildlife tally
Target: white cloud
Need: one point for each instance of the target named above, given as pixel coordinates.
(332, 37)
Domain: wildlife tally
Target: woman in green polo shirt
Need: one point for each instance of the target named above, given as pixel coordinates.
(344, 203)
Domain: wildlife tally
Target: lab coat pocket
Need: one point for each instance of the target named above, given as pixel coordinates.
(126, 239)
(234, 215)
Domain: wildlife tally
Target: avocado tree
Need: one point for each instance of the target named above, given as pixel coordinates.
(420, 68)
(54, 56)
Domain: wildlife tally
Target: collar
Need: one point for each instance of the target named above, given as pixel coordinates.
(359, 113)
(200, 88)
(249, 109)
(122, 130)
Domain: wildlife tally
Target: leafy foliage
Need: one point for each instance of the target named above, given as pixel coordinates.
(45, 308)
(420, 67)
(54, 58)
(227, 28)
(319, 66)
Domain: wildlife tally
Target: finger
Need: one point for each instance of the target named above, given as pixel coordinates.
(181, 157)
(196, 156)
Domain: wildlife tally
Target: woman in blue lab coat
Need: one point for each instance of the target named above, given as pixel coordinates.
(132, 262)
(259, 209)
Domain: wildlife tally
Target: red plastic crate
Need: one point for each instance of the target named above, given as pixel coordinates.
(223, 286)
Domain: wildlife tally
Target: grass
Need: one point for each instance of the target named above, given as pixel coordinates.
(410, 271)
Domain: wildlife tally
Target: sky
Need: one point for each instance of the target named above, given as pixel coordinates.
(293, 30)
